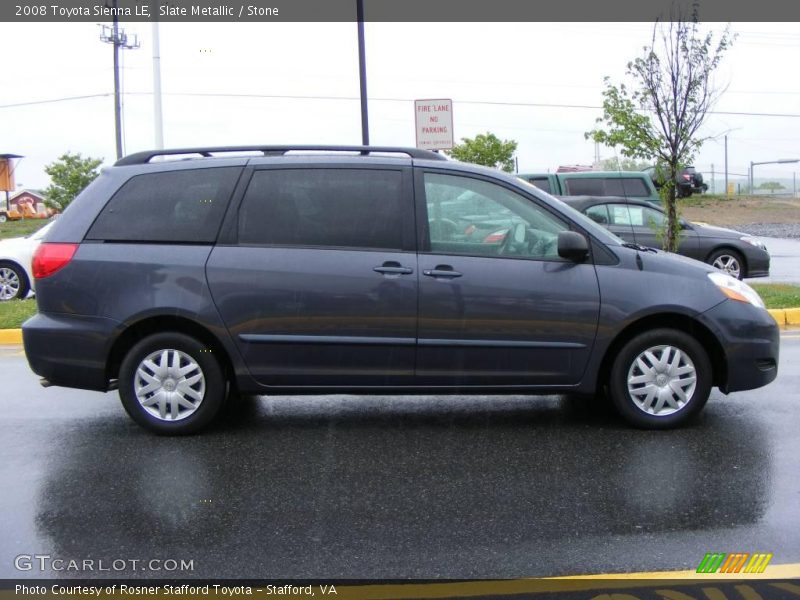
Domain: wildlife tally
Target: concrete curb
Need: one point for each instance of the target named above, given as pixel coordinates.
(10, 336)
(785, 316)
(782, 316)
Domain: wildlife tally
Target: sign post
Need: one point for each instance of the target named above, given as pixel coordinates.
(434, 119)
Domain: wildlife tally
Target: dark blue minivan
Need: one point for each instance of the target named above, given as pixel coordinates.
(308, 270)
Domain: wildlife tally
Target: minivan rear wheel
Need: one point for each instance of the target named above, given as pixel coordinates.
(171, 384)
(660, 379)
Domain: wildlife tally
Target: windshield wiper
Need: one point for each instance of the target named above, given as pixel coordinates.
(639, 247)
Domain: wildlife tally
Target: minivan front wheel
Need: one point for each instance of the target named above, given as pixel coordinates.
(171, 384)
(660, 379)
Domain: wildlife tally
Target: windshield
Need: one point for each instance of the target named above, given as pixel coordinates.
(598, 231)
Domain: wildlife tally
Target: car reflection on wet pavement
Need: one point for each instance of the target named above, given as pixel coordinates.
(399, 486)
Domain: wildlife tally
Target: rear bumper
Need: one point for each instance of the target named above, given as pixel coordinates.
(750, 339)
(69, 350)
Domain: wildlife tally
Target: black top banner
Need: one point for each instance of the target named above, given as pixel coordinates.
(394, 10)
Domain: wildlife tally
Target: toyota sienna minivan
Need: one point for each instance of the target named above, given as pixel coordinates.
(314, 270)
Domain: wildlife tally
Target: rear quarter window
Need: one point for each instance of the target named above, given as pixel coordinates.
(185, 206)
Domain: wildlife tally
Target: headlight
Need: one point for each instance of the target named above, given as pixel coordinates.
(753, 242)
(735, 289)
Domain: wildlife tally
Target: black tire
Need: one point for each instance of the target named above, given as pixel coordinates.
(727, 254)
(24, 283)
(211, 388)
(626, 365)
(3, 217)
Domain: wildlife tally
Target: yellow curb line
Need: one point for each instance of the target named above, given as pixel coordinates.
(785, 316)
(10, 336)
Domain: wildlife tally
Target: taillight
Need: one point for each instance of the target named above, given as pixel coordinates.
(687, 177)
(50, 257)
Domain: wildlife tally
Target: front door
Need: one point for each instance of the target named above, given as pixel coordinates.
(497, 305)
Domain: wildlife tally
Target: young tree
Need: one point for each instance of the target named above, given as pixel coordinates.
(659, 117)
(771, 186)
(69, 175)
(486, 149)
(625, 164)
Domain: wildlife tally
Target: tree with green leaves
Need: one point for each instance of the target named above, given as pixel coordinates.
(624, 164)
(486, 149)
(658, 118)
(771, 186)
(68, 176)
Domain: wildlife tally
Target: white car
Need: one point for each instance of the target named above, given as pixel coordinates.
(15, 264)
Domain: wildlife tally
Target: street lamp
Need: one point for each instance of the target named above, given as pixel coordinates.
(780, 161)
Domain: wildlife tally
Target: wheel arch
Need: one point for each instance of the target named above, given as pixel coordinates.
(684, 323)
(162, 324)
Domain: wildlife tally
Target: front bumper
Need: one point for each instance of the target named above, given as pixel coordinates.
(750, 339)
(757, 263)
(69, 350)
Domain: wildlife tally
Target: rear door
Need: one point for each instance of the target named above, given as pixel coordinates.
(497, 305)
(316, 278)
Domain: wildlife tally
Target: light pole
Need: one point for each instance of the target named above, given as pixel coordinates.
(780, 161)
(362, 73)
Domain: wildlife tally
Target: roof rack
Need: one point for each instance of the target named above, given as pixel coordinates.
(141, 158)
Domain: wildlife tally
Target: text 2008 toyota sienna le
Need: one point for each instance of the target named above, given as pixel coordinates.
(367, 270)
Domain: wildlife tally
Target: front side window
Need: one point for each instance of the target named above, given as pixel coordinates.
(183, 206)
(347, 208)
(598, 214)
(478, 218)
(636, 216)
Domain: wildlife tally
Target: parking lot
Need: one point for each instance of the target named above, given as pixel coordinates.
(344, 486)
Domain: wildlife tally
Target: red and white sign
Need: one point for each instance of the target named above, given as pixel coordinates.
(434, 124)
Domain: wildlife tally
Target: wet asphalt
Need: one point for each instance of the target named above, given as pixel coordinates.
(397, 487)
(784, 261)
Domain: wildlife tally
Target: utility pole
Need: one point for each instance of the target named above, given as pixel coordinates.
(726, 165)
(119, 39)
(362, 73)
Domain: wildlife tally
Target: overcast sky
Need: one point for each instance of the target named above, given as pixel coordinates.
(273, 83)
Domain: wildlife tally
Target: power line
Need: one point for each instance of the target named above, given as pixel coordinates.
(355, 98)
(52, 100)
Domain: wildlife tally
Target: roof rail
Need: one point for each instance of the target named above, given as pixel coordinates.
(141, 158)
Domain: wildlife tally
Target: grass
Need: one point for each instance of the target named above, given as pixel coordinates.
(14, 312)
(21, 228)
(778, 295)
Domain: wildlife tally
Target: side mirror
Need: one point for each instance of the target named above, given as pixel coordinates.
(572, 246)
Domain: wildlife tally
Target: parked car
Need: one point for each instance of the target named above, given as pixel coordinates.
(736, 253)
(689, 181)
(327, 272)
(631, 184)
(15, 264)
